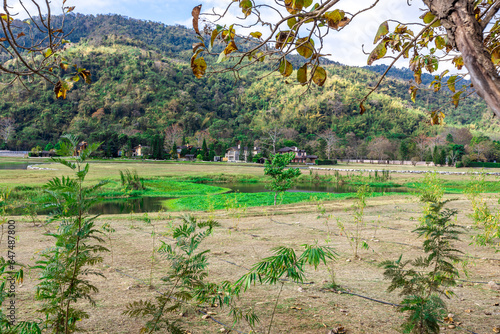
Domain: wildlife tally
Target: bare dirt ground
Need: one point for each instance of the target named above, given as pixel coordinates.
(305, 308)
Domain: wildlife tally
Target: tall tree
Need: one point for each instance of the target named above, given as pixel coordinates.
(379, 148)
(332, 142)
(273, 132)
(7, 128)
(282, 179)
(173, 134)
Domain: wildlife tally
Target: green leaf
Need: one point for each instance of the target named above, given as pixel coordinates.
(440, 42)
(246, 7)
(428, 17)
(378, 53)
(47, 53)
(383, 30)
(286, 68)
(291, 22)
(319, 76)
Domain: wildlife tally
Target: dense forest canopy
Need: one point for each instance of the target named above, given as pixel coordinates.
(143, 84)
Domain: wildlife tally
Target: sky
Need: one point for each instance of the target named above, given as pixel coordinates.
(344, 47)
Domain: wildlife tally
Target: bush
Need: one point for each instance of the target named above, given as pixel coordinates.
(326, 162)
(459, 164)
(466, 160)
(484, 164)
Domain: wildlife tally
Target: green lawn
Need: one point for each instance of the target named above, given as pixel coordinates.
(242, 200)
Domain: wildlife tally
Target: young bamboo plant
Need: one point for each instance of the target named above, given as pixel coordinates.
(424, 280)
(486, 219)
(354, 237)
(184, 276)
(65, 266)
(284, 265)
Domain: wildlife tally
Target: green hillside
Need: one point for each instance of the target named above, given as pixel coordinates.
(142, 83)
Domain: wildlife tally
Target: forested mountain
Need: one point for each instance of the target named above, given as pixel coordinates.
(142, 84)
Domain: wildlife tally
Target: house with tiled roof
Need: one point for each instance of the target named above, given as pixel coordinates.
(301, 156)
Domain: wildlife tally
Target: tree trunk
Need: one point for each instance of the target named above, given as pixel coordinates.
(466, 34)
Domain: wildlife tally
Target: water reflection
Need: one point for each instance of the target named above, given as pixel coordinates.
(129, 205)
(14, 166)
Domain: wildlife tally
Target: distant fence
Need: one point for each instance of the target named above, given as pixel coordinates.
(386, 162)
(13, 154)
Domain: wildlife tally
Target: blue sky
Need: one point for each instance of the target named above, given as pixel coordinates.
(345, 47)
(166, 11)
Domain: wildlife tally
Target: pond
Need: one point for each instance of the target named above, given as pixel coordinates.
(14, 165)
(129, 205)
(154, 204)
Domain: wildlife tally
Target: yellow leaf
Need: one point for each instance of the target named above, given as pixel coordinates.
(319, 76)
(85, 74)
(379, 52)
(305, 47)
(256, 34)
(413, 93)
(231, 47)
(337, 19)
(418, 76)
(459, 62)
(286, 68)
(47, 53)
(456, 98)
(362, 109)
(495, 56)
(302, 74)
(199, 66)
(60, 89)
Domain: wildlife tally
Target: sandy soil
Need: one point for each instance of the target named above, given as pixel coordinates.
(304, 308)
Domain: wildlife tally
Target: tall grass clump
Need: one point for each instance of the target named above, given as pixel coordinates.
(131, 181)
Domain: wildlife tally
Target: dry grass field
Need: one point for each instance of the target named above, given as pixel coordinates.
(311, 307)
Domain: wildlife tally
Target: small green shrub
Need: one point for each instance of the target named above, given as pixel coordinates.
(326, 162)
(484, 164)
